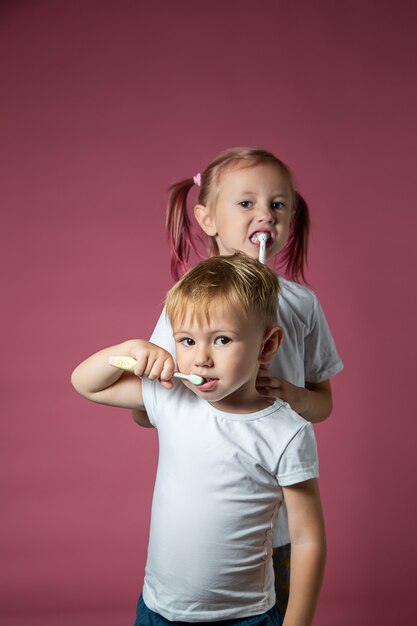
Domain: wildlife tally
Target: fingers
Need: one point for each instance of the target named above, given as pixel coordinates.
(265, 381)
(167, 370)
(268, 386)
(155, 364)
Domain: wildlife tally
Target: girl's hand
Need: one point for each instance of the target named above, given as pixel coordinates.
(269, 386)
(153, 362)
(313, 402)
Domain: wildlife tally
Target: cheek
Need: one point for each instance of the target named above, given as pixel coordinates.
(182, 359)
(285, 219)
(240, 363)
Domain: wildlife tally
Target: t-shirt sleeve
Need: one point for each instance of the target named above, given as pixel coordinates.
(162, 334)
(321, 358)
(161, 403)
(299, 461)
(150, 399)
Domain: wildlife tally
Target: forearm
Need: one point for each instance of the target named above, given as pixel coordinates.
(97, 380)
(307, 568)
(308, 551)
(95, 374)
(315, 402)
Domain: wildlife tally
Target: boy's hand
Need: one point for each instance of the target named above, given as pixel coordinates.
(153, 362)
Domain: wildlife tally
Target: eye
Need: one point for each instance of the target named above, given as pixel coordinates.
(278, 205)
(222, 341)
(187, 341)
(246, 204)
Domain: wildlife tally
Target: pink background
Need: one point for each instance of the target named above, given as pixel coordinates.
(103, 105)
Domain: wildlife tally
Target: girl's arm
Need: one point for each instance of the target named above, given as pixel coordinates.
(313, 402)
(308, 551)
(100, 382)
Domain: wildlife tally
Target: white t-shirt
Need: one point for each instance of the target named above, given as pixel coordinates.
(308, 352)
(217, 495)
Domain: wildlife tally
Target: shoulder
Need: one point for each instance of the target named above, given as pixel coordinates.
(298, 304)
(162, 334)
(298, 295)
(160, 402)
(282, 423)
(295, 446)
(289, 419)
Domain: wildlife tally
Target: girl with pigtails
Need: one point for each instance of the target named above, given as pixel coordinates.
(244, 192)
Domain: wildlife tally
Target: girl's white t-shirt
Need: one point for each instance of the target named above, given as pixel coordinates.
(307, 354)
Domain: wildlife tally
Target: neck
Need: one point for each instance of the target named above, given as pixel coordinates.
(243, 400)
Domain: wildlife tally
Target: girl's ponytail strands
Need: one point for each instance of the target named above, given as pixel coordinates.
(179, 227)
(294, 255)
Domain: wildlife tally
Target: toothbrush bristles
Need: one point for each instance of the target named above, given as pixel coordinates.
(194, 379)
(262, 238)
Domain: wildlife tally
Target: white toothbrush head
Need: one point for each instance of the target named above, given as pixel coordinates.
(262, 238)
(194, 379)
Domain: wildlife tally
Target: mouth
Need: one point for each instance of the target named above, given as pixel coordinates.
(209, 384)
(254, 238)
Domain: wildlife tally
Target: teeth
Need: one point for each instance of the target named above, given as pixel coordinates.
(255, 236)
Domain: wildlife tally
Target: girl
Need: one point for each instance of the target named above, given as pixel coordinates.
(243, 192)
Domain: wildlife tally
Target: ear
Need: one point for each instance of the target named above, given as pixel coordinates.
(270, 344)
(205, 218)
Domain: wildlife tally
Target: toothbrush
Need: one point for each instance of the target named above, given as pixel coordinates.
(262, 238)
(194, 379)
(128, 363)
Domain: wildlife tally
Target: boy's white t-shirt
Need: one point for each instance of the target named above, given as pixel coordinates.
(217, 495)
(308, 352)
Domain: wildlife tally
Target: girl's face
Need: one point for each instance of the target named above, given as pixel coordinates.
(249, 200)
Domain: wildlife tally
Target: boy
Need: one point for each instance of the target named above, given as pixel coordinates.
(227, 456)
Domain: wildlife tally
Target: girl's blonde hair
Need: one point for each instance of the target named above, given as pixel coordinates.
(293, 257)
(237, 281)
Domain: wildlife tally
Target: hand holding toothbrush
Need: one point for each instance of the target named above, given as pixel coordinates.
(146, 359)
(95, 378)
(130, 364)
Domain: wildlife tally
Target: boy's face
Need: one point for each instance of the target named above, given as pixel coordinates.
(225, 350)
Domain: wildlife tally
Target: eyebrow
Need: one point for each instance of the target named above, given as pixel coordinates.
(274, 195)
(215, 331)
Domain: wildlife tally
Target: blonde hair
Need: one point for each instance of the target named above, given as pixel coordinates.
(237, 281)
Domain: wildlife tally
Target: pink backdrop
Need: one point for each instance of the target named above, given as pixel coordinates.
(103, 105)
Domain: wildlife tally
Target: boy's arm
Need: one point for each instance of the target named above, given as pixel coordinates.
(308, 551)
(100, 382)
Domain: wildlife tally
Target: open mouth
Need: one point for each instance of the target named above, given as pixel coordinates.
(255, 237)
(209, 384)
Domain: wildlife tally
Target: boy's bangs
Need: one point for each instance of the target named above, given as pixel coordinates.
(201, 309)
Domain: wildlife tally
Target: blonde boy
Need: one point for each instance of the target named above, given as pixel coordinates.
(227, 456)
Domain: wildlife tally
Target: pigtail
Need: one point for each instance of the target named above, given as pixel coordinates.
(179, 227)
(294, 255)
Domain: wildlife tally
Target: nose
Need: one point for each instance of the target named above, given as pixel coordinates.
(202, 357)
(265, 214)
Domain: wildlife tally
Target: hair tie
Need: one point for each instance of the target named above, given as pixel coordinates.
(197, 179)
